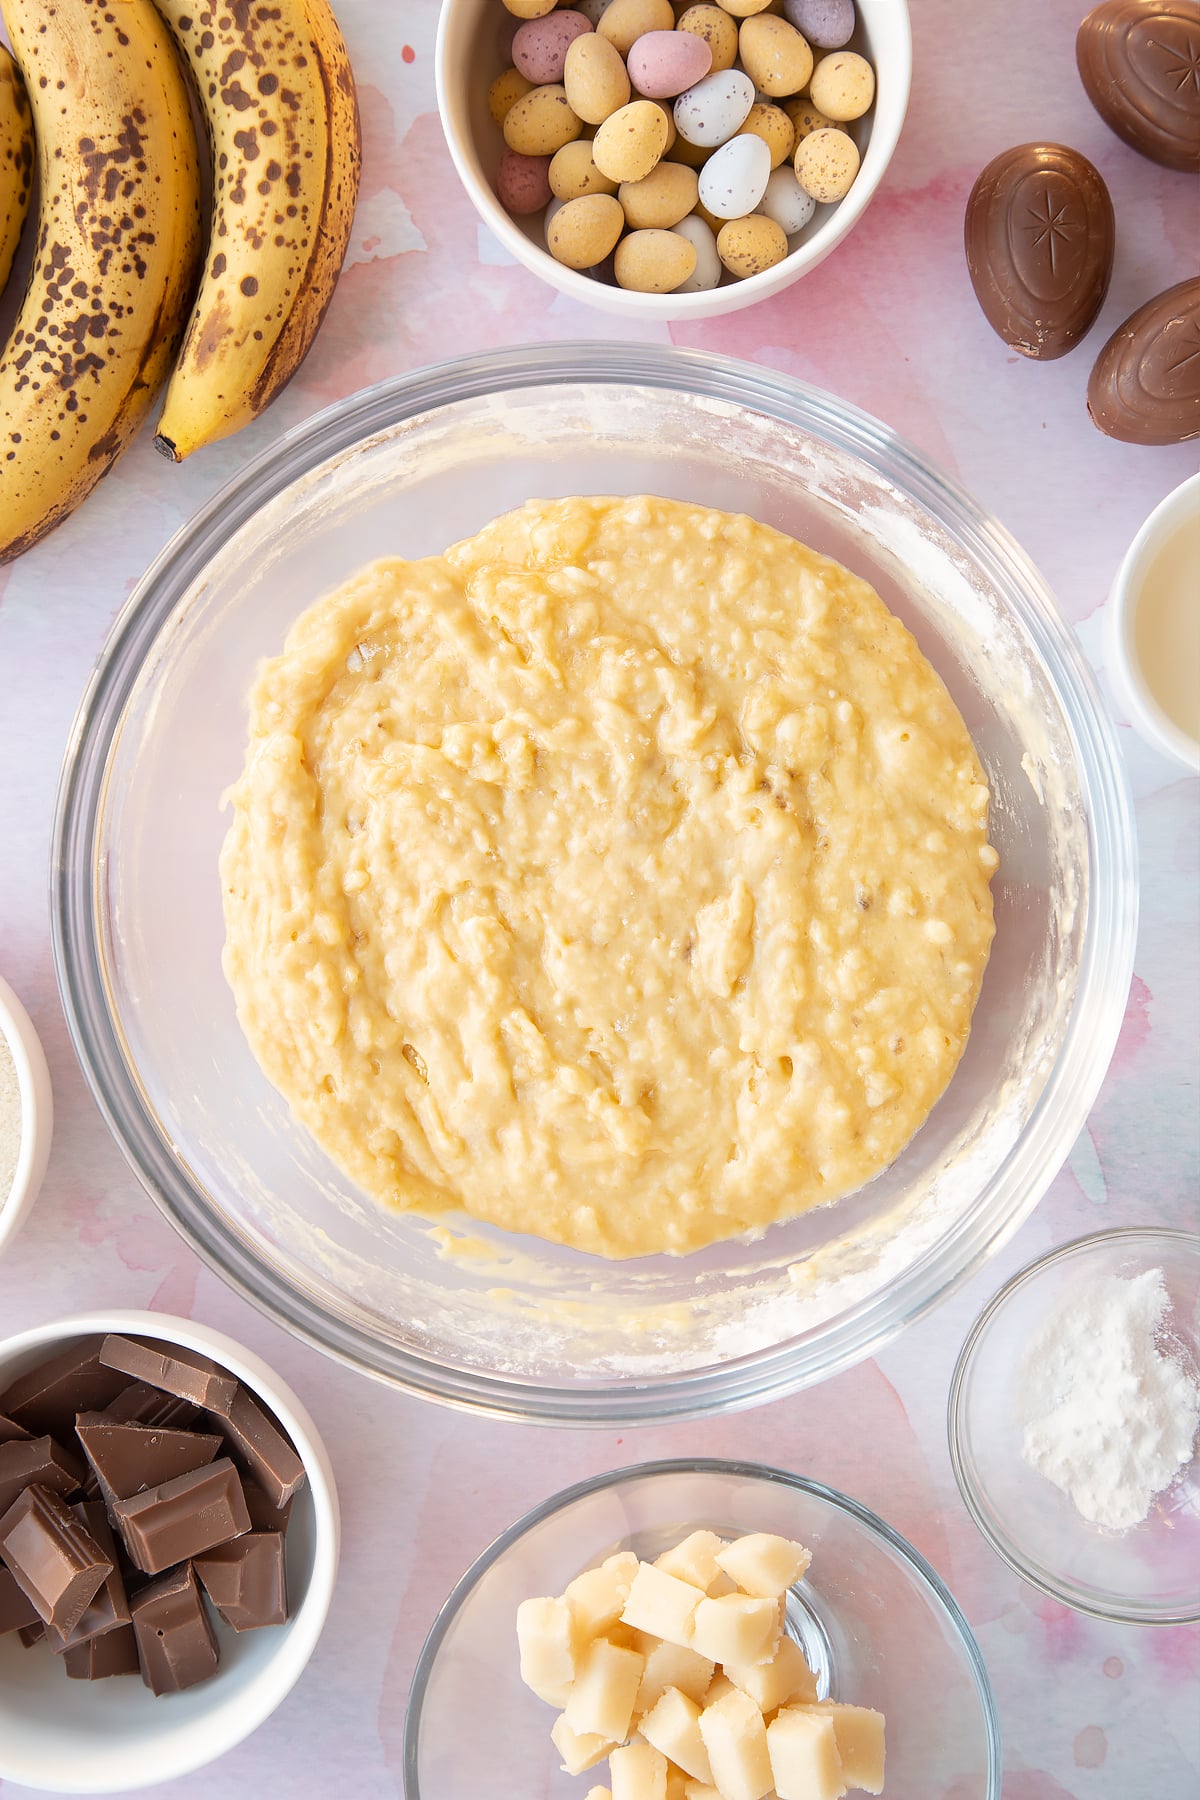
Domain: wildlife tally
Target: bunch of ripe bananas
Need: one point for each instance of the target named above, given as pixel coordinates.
(124, 291)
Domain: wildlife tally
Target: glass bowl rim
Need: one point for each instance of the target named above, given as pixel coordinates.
(1109, 933)
(956, 1406)
(697, 1465)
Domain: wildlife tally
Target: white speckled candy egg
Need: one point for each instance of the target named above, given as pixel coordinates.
(786, 202)
(664, 63)
(707, 272)
(712, 111)
(734, 179)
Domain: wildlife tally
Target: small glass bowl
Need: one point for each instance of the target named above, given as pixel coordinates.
(875, 1623)
(1147, 1575)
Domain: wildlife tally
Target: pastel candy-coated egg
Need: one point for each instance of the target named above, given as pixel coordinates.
(584, 231)
(718, 30)
(707, 272)
(773, 126)
(774, 55)
(734, 179)
(539, 47)
(843, 85)
(745, 9)
(748, 246)
(653, 262)
(826, 164)
(666, 195)
(505, 91)
(529, 9)
(592, 10)
(625, 21)
(712, 111)
(595, 79)
(826, 23)
(523, 183)
(541, 122)
(573, 173)
(630, 142)
(552, 212)
(786, 202)
(663, 63)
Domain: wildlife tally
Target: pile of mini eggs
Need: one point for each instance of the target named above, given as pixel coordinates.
(668, 144)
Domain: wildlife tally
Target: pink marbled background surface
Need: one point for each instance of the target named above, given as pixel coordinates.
(1089, 1711)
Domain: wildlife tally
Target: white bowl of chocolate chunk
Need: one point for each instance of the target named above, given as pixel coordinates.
(168, 1547)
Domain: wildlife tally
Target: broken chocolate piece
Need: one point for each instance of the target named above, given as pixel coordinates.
(259, 1444)
(184, 1373)
(32, 1634)
(184, 1517)
(246, 1581)
(110, 1607)
(24, 1461)
(113, 1654)
(141, 1404)
(175, 1641)
(9, 1429)
(264, 1514)
(128, 1459)
(55, 1559)
(46, 1399)
(16, 1608)
(1139, 61)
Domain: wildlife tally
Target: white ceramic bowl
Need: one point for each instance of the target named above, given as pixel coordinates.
(1133, 690)
(468, 58)
(109, 1737)
(36, 1112)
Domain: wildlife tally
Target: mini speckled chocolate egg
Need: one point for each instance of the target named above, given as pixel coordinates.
(541, 122)
(718, 30)
(707, 272)
(805, 117)
(523, 183)
(666, 195)
(505, 91)
(826, 164)
(748, 246)
(745, 9)
(734, 179)
(630, 142)
(592, 10)
(712, 111)
(785, 201)
(594, 78)
(772, 125)
(584, 231)
(663, 63)
(529, 9)
(540, 46)
(827, 24)
(653, 262)
(573, 172)
(774, 55)
(625, 21)
(843, 85)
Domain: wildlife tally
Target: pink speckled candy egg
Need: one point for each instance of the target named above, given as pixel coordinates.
(523, 183)
(827, 24)
(539, 48)
(662, 63)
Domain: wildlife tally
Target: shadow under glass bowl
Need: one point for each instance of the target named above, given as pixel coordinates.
(876, 1624)
(457, 1311)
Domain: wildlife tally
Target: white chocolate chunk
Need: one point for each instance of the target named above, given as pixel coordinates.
(763, 1564)
(578, 1752)
(606, 1682)
(670, 1665)
(638, 1772)
(718, 1687)
(673, 1726)
(770, 1685)
(546, 1637)
(736, 1741)
(677, 1783)
(700, 1790)
(737, 1628)
(804, 1756)
(598, 1793)
(663, 1604)
(694, 1560)
(859, 1731)
(597, 1596)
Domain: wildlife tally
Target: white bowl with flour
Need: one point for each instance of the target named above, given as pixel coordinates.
(26, 1114)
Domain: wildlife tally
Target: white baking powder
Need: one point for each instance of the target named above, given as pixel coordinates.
(10, 1119)
(1111, 1407)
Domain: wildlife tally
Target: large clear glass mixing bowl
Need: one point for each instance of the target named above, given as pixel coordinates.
(459, 1312)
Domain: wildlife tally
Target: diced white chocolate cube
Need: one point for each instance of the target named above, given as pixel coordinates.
(736, 1740)
(606, 1682)
(804, 1756)
(772, 1684)
(662, 1604)
(700, 1790)
(737, 1628)
(694, 1560)
(598, 1793)
(718, 1687)
(859, 1731)
(673, 1726)
(677, 1783)
(597, 1596)
(763, 1564)
(670, 1665)
(638, 1772)
(546, 1637)
(578, 1751)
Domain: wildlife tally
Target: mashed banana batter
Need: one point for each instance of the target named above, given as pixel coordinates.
(620, 876)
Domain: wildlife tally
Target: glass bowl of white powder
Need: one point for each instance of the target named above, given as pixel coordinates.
(1073, 1422)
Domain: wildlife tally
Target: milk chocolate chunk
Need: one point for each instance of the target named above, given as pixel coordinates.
(1039, 236)
(141, 1404)
(54, 1558)
(1145, 386)
(245, 1580)
(32, 1634)
(24, 1461)
(109, 1608)
(175, 1641)
(128, 1459)
(16, 1608)
(258, 1443)
(183, 1518)
(47, 1398)
(184, 1373)
(9, 1429)
(113, 1654)
(264, 1514)
(1139, 61)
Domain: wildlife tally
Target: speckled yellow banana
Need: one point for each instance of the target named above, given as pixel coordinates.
(278, 96)
(116, 255)
(16, 161)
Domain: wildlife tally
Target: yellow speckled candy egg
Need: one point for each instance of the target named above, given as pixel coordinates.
(584, 231)
(573, 172)
(744, 9)
(774, 55)
(541, 122)
(505, 91)
(843, 85)
(772, 125)
(805, 117)
(663, 197)
(826, 164)
(625, 21)
(716, 27)
(748, 246)
(653, 262)
(627, 145)
(595, 79)
(529, 9)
